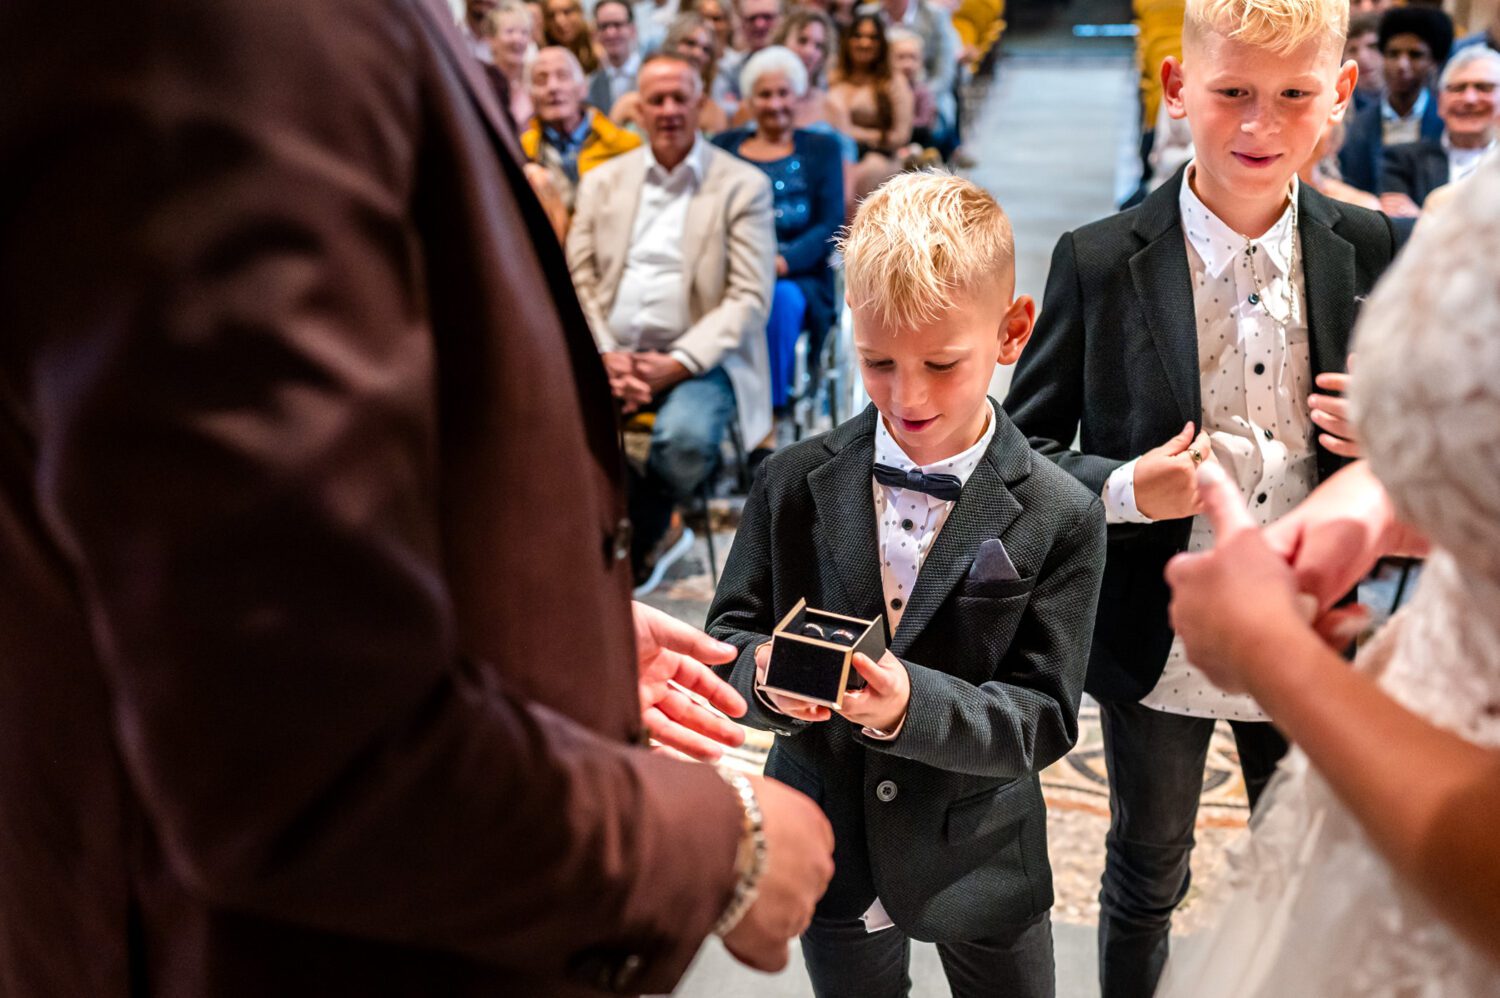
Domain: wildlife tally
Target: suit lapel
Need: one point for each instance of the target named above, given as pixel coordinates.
(1328, 276)
(984, 510)
(624, 201)
(699, 222)
(480, 91)
(1164, 289)
(844, 497)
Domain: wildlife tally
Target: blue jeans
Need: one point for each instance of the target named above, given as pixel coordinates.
(845, 961)
(788, 309)
(1155, 764)
(690, 423)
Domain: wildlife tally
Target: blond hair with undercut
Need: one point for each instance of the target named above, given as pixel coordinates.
(1279, 26)
(921, 241)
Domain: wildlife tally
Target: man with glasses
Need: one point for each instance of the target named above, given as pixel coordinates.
(756, 24)
(1414, 42)
(614, 27)
(1466, 103)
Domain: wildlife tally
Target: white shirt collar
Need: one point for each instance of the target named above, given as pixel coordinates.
(1447, 144)
(1418, 108)
(1218, 245)
(696, 163)
(632, 66)
(962, 465)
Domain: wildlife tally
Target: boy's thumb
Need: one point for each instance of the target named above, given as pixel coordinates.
(1180, 442)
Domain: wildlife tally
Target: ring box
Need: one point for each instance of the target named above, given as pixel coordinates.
(812, 654)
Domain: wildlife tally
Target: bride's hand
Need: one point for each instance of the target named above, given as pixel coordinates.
(1231, 605)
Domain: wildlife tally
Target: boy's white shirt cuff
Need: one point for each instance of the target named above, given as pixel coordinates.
(1119, 496)
(884, 736)
(686, 360)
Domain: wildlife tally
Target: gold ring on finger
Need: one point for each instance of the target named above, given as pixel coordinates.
(1196, 455)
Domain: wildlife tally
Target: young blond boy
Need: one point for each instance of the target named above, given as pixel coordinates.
(930, 512)
(1193, 328)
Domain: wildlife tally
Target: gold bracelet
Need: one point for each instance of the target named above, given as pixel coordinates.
(750, 859)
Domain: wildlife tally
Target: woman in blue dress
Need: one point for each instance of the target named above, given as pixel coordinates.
(807, 188)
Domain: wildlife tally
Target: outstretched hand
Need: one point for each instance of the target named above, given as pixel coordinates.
(670, 656)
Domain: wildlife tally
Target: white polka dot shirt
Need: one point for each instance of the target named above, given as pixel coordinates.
(907, 523)
(1255, 380)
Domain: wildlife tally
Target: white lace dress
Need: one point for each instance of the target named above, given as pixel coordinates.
(1311, 908)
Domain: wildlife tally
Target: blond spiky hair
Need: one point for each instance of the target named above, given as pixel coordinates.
(1279, 26)
(919, 241)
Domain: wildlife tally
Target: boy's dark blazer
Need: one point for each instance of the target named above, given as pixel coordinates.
(946, 822)
(1115, 359)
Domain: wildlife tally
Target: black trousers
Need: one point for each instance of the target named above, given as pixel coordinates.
(1155, 764)
(845, 961)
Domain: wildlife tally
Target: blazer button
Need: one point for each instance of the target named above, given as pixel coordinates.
(886, 791)
(626, 974)
(622, 539)
(907, 524)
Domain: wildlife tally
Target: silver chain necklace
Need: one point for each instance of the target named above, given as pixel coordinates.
(1289, 295)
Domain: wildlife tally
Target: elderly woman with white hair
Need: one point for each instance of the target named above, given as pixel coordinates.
(1373, 869)
(807, 188)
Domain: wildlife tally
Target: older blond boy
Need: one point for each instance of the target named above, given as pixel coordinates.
(1193, 328)
(930, 512)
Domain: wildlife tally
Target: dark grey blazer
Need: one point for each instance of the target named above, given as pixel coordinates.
(1415, 169)
(1115, 359)
(946, 822)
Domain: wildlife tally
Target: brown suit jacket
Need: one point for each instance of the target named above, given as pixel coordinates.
(315, 658)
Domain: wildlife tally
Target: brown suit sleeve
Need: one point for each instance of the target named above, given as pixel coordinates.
(236, 421)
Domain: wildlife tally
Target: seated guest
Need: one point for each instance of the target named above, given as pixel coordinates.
(876, 100)
(940, 48)
(717, 13)
(563, 24)
(906, 60)
(810, 35)
(507, 29)
(1414, 41)
(807, 184)
(475, 11)
(673, 253)
(1363, 46)
(568, 137)
(1467, 105)
(614, 25)
(691, 39)
(756, 23)
(842, 12)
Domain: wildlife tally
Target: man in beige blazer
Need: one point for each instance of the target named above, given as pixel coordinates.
(673, 254)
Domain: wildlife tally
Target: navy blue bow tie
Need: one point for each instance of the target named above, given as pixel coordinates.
(944, 487)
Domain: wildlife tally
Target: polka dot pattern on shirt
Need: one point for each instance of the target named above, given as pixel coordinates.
(1255, 374)
(903, 549)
